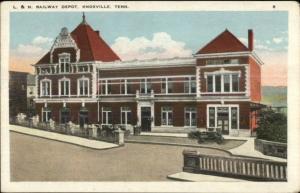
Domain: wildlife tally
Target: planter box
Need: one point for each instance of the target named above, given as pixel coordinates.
(271, 148)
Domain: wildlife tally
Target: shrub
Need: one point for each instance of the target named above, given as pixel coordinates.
(272, 126)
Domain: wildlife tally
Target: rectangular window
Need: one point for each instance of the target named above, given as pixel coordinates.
(167, 116)
(46, 115)
(123, 87)
(125, 115)
(235, 83)
(193, 85)
(163, 85)
(210, 83)
(148, 86)
(83, 87)
(106, 115)
(103, 87)
(109, 83)
(64, 87)
(218, 83)
(211, 115)
(226, 82)
(143, 86)
(170, 85)
(129, 87)
(186, 85)
(190, 85)
(64, 64)
(190, 116)
(234, 118)
(45, 88)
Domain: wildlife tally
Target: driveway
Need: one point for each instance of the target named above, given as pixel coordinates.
(38, 159)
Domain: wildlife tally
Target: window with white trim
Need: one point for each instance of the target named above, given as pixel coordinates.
(190, 85)
(45, 88)
(222, 83)
(167, 85)
(125, 115)
(106, 115)
(83, 87)
(235, 83)
(190, 116)
(234, 117)
(106, 87)
(46, 114)
(145, 86)
(167, 116)
(64, 63)
(64, 87)
(211, 115)
(125, 87)
(170, 85)
(164, 85)
(222, 61)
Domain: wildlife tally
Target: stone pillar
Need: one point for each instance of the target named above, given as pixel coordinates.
(119, 137)
(94, 129)
(52, 124)
(35, 121)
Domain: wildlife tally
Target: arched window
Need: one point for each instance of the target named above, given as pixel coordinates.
(45, 87)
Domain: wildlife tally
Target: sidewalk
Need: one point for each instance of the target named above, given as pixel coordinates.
(165, 134)
(63, 138)
(247, 149)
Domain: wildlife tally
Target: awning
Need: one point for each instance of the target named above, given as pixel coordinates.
(257, 106)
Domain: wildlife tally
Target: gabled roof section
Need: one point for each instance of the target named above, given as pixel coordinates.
(92, 46)
(45, 59)
(225, 42)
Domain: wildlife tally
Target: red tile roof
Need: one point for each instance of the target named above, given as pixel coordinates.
(92, 46)
(225, 42)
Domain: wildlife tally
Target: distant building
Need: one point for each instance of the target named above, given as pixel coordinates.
(31, 92)
(81, 79)
(17, 93)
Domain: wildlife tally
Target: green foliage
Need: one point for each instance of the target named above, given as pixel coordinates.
(272, 126)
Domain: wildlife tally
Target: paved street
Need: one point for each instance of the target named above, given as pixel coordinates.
(38, 159)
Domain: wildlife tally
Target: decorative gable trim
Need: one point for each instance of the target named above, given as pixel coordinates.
(64, 40)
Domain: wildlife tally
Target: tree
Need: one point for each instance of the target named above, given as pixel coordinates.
(272, 126)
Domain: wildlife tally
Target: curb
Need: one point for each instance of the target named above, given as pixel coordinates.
(94, 148)
(178, 144)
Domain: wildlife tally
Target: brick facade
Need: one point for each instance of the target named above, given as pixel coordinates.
(183, 85)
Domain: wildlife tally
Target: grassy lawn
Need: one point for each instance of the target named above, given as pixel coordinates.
(228, 143)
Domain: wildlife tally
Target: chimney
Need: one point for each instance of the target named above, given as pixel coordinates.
(250, 40)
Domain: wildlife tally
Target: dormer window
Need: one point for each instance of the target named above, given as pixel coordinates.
(64, 63)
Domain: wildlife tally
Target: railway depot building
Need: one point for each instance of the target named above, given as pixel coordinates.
(81, 79)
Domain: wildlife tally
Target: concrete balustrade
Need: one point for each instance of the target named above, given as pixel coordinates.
(239, 167)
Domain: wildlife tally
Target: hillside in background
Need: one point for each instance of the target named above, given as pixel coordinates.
(274, 95)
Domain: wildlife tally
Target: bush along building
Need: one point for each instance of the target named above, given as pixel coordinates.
(81, 79)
